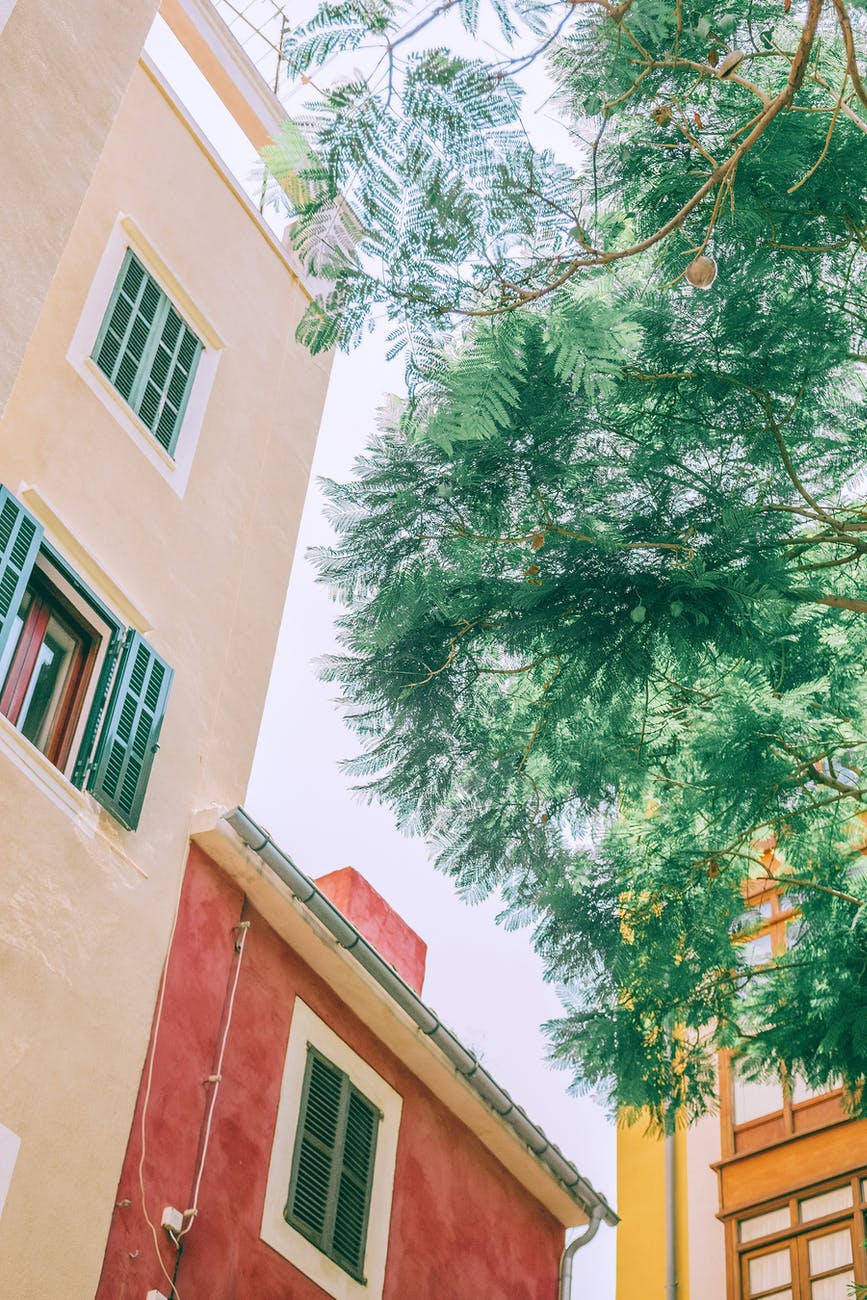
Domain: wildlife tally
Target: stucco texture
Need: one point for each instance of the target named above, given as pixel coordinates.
(87, 906)
(64, 67)
(461, 1227)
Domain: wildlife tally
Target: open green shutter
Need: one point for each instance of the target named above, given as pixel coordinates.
(130, 730)
(356, 1177)
(20, 536)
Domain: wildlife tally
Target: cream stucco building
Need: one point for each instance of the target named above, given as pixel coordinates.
(158, 423)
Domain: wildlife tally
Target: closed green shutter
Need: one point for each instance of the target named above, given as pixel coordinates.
(20, 536)
(147, 352)
(356, 1176)
(332, 1168)
(130, 730)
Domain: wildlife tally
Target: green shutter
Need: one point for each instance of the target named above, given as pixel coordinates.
(356, 1177)
(147, 352)
(130, 730)
(332, 1167)
(20, 536)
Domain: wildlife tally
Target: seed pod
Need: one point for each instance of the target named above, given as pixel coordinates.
(701, 272)
(730, 64)
(713, 57)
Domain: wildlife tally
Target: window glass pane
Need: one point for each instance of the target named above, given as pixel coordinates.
(827, 1203)
(801, 1090)
(779, 1295)
(833, 1250)
(838, 1287)
(755, 1098)
(770, 1270)
(50, 676)
(759, 951)
(864, 1189)
(762, 1225)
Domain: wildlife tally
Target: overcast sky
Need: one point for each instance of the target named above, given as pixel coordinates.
(486, 983)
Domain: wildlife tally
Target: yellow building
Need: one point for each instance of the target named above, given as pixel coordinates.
(158, 424)
(764, 1201)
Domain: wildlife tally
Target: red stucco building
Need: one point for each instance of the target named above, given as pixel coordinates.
(316, 1129)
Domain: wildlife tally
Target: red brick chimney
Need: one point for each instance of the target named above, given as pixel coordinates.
(378, 922)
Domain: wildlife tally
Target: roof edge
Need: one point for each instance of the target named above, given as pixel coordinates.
(460, 1058)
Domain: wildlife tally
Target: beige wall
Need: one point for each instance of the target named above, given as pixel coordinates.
(707, 1258)
(63, 70)
(87, 906)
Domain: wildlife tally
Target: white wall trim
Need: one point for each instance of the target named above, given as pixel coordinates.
(307, 1028)
(127, 234)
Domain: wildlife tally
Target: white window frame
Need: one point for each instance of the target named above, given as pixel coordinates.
(308, 1028)
(126, 234)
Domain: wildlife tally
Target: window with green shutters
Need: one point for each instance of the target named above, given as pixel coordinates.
(148, 352)
(86, 693)
(332, 1165)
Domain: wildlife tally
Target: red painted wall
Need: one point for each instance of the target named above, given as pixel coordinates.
(380, 924)
(462, 1227)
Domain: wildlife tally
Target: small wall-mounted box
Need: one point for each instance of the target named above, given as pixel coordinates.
(155, 1295)
(172, 1220)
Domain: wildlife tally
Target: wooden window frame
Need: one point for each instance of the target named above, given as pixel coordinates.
(119, 736)
(797, 1235)
(47, 603)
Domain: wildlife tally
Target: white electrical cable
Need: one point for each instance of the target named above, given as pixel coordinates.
(216, 1080)
(147, 1093)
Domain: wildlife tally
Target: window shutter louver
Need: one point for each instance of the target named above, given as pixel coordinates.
(147, 352)
(353, 1196)
(312, 1176)
(20, 536)
(130, 730)
(332, 1175)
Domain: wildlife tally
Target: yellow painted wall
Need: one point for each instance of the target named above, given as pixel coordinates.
(641, 1204)
(87, 906)
(64, 68)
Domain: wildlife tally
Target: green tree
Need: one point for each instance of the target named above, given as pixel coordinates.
(605, 631)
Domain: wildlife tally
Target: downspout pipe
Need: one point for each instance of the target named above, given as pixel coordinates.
(670, 1219)
(597, 1214)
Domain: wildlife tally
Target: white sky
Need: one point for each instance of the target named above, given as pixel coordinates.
(484, 982)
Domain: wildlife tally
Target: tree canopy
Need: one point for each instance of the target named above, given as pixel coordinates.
(605, 629)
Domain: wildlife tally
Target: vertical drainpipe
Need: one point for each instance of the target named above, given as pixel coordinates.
(670, 1219)
(565, 1290)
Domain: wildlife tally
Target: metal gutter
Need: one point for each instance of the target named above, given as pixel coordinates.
(466, 1064)
(565, 1284)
